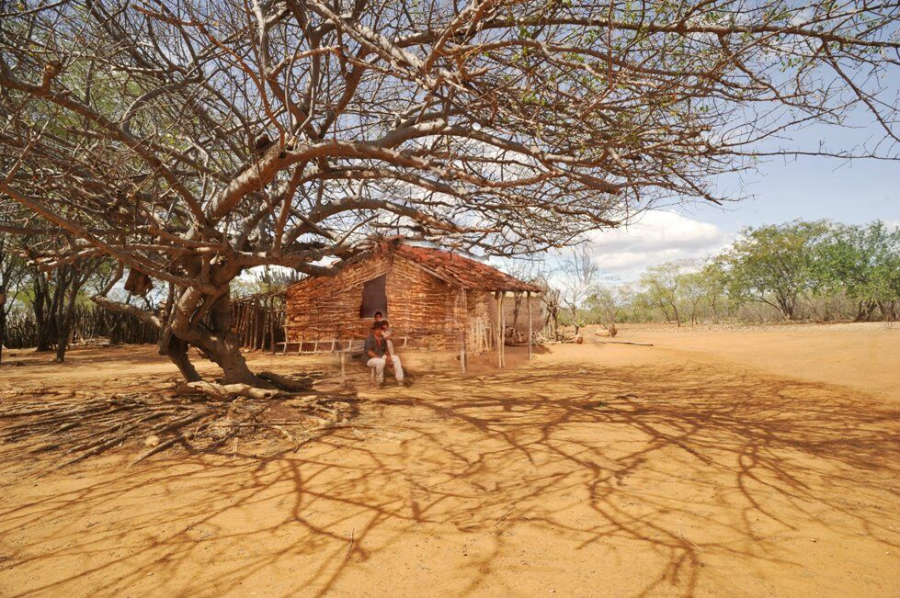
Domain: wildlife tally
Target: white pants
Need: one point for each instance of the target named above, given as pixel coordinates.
(380, 362)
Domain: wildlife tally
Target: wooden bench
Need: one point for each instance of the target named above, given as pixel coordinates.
(331, 345)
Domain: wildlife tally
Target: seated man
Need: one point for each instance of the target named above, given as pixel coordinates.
(379, 317)
(379, 354)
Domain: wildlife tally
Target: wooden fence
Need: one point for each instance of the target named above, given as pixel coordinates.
(258, 320)
(91, 322)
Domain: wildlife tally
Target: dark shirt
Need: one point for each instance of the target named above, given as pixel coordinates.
(372, 344)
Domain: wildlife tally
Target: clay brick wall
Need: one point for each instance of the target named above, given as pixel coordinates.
(328, 307)
(420, 306)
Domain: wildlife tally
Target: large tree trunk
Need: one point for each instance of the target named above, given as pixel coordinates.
(213, 338)
(57, 311)
(177, 351)
(64, 325)
(787, 305)
(42, 314)
(2, 327)
(677, 315)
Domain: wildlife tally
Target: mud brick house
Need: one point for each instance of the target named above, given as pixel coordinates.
(433, 299)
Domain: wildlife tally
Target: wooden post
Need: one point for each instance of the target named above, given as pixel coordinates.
(499, 330)
(251, 325)
(503, 329)
(462, 332)
(272, 316)
(528, 299)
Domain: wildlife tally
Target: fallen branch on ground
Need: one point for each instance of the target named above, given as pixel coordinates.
(228, 391)
(83, 427)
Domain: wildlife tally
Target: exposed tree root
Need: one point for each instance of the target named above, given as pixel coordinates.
(200, 416)
(228, 391)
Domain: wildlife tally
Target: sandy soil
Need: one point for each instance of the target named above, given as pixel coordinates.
(739, 463)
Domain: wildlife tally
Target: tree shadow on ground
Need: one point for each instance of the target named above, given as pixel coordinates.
(682, 468)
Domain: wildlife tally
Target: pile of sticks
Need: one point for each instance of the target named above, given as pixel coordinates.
(200, 416)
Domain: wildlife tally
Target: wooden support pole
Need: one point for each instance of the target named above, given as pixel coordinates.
(528, 300)
(463, 332)
(499, 330)
(503, 329)
(272, 316)
(251, 325)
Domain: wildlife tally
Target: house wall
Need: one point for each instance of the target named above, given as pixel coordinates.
(420, 306)
(323, 308)
(423, 307)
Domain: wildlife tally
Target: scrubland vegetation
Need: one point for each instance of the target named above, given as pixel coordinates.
(818, 271)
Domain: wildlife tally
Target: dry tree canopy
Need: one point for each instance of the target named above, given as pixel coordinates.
(192, 139)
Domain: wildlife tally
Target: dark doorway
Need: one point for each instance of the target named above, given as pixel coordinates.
(374, 297)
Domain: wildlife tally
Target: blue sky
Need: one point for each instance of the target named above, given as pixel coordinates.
(784, 189)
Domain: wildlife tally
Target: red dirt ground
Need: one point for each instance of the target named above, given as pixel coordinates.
(750, 462)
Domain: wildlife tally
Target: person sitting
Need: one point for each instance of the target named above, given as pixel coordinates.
(379, 354)
(379, 317)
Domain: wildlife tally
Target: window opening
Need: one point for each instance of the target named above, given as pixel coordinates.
(374, 297)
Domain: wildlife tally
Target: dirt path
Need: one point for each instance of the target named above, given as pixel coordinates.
(595, 471)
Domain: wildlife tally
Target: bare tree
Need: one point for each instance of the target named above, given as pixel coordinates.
(550, 297)
(580, 273)
(191, 140)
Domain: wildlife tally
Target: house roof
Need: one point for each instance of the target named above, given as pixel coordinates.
(462, 271)
(452, 268)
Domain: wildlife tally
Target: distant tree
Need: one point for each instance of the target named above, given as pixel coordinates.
(775, 264)
(864, 263)
(70, 278)
(580, 272)
(715, 287)
(692, 290)
(606, 302)
(662, 287)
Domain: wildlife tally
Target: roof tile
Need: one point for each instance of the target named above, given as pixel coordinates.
(463, 271)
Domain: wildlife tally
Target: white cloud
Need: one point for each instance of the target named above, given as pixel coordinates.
(657, 236)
